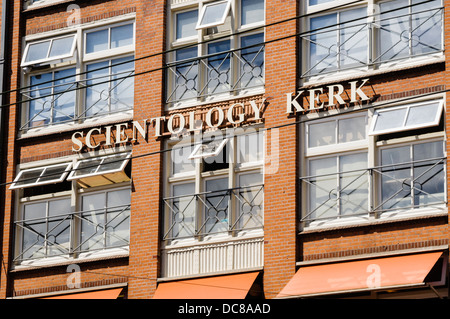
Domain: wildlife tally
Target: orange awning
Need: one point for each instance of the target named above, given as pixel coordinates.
(360, 275)
(99, 294)
(218, 287)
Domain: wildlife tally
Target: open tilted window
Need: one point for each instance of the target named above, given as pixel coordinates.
(101, 170)
(49, 50)
(41, 176)
(213, 14)
(407, 117)
(209, 149)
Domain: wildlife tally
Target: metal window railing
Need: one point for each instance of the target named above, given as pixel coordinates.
(226, 72)
(370, 192)
(60, 103)
(207, 213)
(367, 45)
(73, 233)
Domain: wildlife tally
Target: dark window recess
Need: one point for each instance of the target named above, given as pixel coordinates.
(47, 189)
(214, 163)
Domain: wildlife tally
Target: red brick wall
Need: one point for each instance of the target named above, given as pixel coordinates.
(283, 247)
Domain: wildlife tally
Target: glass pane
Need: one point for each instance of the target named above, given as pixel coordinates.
(41, 105)
(53, 173)
(323, 43)
(33, 236)
(87, 167)
(183, 210)
(314, 2)
(252, 63)
(119, 198)
(58, 227)
(112, 163)
(429, 176)
(422, 114)
(186, 75)
(216, 206)
(322, 188)
(250, 147)
(122, 36)
(250, 200)
(122, 86)
(118, 218)
(354, 186)
(352, 129)
(35, 211)
(214, 13)
(180, 161)
(97, 92)
(64, 102)
(37, 51)
(426, 27)
(59, 207)
(394, 31)
(354, 37)
(219, 67)
(252, 11)
(93, 221)
(390, 120)
(322, 134)
(97, 41)
(62, 46)
(29, 177)
(186, 23)
(396, 179)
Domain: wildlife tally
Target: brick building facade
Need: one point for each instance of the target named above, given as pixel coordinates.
(230, 149)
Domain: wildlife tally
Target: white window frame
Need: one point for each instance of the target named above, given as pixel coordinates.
(401, 212)
(198, 177)
(120, 168)
(373, 150)
(203, 12)
(202, 35)
(75, 194)
(79, 64)
(109, 53)
(48, 59)
(373, 12)
(59, 179)
(337, 147)
(404, 127)
(198, 150)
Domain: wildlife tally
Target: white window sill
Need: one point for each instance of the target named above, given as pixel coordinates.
(66, 260)
(67, 127)
(365, 220)
(221, 238)
(45, 3)
(387, 67)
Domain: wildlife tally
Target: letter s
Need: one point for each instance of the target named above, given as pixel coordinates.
(77, 141)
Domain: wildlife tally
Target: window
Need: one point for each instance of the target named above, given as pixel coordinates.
(214, 195)
(101, 83)
(58, 218)
(202, 65)
(412, 175)
(354, 37)
(52, 98)
(41, 176)
(212, 148)
(350, 178)
(49, 50)
(213, 14)
(406, 117)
